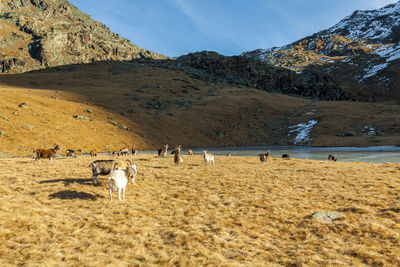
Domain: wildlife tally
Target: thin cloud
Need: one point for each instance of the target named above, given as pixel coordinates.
(381, 3)
(212, 23)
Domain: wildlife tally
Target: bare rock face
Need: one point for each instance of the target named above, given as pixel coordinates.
(45, 33)
(263, 75)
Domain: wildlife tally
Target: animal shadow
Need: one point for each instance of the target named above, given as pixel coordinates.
(68, 181)
(397, 210)
(142, 159)
(70, 194)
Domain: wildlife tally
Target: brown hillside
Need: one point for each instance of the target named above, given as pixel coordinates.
(163, 106)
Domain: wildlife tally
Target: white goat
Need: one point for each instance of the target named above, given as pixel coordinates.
(118, 179)
(208, 158)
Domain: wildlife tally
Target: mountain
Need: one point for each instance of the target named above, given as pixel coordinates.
(362, 52)
(242, 71)
(36, 34)
(134, 96)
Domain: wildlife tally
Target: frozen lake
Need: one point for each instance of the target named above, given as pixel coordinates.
(376, 154)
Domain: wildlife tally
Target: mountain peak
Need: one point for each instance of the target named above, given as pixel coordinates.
(379, 25)
(362, 51)
(45, 33)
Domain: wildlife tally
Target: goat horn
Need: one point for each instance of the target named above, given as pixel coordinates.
(130, 162)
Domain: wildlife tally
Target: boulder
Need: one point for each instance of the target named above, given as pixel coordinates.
(326, 216)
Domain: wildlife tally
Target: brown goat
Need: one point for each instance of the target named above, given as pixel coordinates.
(177, 158)
(162, 153)
(101, 167)
(263, 157)
(285, 156)
(93, 153)
(190, 152)
(46, 153)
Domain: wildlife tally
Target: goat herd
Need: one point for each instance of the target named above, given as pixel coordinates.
(119, 173)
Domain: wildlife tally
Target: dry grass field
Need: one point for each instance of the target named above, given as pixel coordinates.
(239, 213)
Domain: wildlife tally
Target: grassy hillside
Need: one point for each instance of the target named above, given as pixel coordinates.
(164, 106)
(239, 213)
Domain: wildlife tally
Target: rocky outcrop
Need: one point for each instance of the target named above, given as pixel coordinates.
(262, 75)
(44, 33)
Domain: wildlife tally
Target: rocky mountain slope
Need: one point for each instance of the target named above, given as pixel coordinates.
(37, 34)
(241, 71)
(362, 52)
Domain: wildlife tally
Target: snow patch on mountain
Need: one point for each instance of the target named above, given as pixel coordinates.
(374, 70)
(368, 130)
(390, 52)
(302, 131)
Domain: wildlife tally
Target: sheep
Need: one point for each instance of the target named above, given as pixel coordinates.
(93, 153)
(208, 158)
(162, 153)
(46, 153)
(70, 153)
(263, 157)
(190, 152)
(101, 167)
(332, 158)
(285, 156)
(118, 179)
(177, 158)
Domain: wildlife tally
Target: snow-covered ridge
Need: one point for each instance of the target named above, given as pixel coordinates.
(374, 25)
(380, 26)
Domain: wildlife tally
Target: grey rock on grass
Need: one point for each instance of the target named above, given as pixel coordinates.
(326, 216)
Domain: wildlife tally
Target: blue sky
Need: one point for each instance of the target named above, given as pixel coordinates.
(229, 27)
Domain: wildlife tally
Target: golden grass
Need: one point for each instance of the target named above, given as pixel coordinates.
(239, 213)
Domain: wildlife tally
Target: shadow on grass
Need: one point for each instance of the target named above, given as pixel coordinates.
(70, 194)
(141, 159)
(397, 210)
(68, 181)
